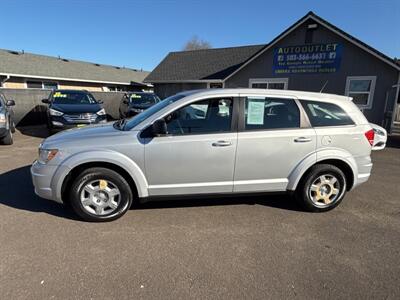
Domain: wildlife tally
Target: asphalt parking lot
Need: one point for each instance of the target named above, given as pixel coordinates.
(259, 248)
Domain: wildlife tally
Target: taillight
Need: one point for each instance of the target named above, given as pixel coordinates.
(370, 134)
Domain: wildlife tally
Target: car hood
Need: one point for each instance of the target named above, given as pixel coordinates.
(88, 136)
(76, 108)
(140, 106)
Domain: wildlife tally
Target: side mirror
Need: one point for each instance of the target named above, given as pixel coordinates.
(10, 103)
(125, 101)
(159, 128)
(45, 101)
(100, 101)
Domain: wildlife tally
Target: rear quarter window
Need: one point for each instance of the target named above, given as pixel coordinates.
(325, 114)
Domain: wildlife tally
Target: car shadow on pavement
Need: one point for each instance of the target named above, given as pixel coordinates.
(280, 201)
(16, 190)
(39, 131)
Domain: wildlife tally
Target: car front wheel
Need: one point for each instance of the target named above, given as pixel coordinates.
(100, 194)
(322, 188)
(8, 139)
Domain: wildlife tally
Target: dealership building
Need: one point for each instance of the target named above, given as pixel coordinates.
(311, 55)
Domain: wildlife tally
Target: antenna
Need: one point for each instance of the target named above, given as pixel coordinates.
(323, 87)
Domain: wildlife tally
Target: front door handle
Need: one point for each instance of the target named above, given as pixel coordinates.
(302, 139)
(221, 144)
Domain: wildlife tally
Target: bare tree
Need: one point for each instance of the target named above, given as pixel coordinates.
(196, 44)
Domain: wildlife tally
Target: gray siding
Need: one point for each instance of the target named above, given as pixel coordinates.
(355, 62)
(164, 90)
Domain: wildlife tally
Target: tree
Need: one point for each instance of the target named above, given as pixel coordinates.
(196, 44)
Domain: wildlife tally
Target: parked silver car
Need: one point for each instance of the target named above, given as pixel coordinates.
(225, 141)
(7, 125)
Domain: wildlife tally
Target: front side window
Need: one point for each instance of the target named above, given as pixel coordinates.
(325, 114)
(71, 97)
(205, 116)
(136, 120)
(361, 89)
(271, 113)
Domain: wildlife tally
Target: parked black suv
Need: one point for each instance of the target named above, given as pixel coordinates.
(134, 103)
(7, 125)
(73, 108)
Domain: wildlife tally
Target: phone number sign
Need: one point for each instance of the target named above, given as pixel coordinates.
(307, 59)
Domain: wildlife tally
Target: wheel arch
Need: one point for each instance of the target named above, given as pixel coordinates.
(346, 164)
(105, 159)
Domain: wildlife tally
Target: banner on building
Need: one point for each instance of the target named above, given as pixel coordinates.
(307, 59)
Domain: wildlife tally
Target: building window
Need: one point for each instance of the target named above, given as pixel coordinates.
(116, 89)
(215, 85)
(50, 85)
(269, 83)
(34, 84)
(361, 89)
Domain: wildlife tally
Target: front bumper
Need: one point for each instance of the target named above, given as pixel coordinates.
(63, 122)
(43, 178)
(3, 132)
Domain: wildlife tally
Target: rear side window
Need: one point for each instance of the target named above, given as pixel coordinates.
(270, 113)
(325, 114)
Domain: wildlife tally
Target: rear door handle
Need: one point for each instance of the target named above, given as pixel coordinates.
(302, 139)
(221, 144)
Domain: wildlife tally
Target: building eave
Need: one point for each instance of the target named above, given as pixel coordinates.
(67, 79)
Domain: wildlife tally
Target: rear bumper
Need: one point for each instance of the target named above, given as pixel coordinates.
(364, 165)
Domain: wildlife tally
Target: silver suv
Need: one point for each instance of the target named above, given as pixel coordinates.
(225, 141)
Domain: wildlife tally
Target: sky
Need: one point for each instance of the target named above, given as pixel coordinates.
(140, 33)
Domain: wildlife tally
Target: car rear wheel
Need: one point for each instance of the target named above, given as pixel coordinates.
(322, 188)
(100, 194)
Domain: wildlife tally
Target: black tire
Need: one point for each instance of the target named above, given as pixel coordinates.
(304, 194)
(8, 139)
(12, 126)
(92, 174)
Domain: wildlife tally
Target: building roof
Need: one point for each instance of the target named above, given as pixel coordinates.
(312, 16)
(23, 64)
(222, 63)
(205, 64)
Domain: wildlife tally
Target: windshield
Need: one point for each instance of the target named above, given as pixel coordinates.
(73, 97)
(152, 110)
(143, 99)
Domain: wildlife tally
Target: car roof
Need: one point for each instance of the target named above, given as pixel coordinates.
(266, 92)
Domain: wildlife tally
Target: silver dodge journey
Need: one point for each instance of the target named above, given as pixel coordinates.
(211, 142)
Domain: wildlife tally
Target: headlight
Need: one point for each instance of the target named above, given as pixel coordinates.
(378, 131)
(45, 155)
(54, 112)
(101, 112)
(2, 118)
